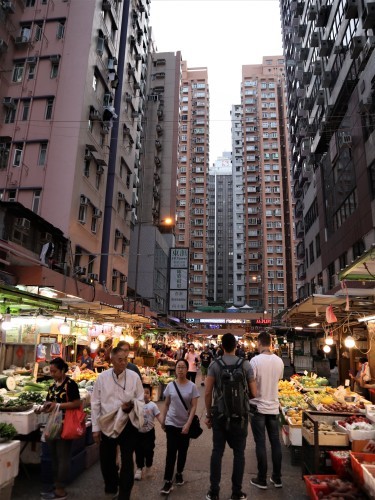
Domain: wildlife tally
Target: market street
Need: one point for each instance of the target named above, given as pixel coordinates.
(89, 485)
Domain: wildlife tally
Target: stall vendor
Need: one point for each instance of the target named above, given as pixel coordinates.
(86, 360)
(361, 378)
(100, 362)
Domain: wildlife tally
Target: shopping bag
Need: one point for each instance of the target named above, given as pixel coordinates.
(53, 426)
(74, 426)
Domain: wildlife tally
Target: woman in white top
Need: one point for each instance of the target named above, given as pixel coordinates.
(176, 421)
(192, 358)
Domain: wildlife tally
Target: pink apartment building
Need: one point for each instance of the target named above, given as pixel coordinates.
(72, 92)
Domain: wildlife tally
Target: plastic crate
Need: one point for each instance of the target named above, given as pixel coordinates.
(316, 490)
(357, 459)
(340, 462)
(369, 479)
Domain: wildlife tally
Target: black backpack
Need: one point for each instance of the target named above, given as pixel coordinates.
(232, 399)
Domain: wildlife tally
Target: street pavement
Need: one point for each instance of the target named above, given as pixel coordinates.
(89, 485)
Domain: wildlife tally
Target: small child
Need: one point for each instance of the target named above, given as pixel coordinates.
(144, 450)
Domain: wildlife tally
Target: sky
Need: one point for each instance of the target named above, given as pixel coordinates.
(222, 35)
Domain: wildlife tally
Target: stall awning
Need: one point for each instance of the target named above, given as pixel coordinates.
(102, 312)
(362, 269)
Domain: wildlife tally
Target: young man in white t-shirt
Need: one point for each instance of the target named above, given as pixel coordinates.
(267, 370)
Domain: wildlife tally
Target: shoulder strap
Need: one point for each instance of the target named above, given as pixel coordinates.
(179, 394)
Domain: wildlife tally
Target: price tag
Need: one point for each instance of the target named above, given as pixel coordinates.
(314, 376)
(306, 373)
(347, 382)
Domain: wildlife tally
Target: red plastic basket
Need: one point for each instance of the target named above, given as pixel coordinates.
(313, 488)
(340, 462)
(357, 459)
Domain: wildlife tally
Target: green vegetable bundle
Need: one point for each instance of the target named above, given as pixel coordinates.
(7, 431)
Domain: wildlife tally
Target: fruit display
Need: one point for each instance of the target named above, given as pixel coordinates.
(294, 416)
(322, 427)
(340, 408)
(293, 401)
(356, 423)
(310, 381)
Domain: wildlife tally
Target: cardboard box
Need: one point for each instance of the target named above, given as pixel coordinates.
(359, 445)
(9, 460)
(327, 439)
(24, 422)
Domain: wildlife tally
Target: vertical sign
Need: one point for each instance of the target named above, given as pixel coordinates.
(178, 279)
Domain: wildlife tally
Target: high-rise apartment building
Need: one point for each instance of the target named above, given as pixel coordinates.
(192, 178)
(220, 232)
(330, 66)
(153, 233)
(73, 98)
(263, 254)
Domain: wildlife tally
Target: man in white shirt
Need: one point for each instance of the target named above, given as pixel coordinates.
(114, 388)
(267, 369)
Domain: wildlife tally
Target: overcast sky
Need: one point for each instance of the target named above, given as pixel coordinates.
(222, 35)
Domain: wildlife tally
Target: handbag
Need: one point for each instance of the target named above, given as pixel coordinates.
(74, 425)
(195, 429)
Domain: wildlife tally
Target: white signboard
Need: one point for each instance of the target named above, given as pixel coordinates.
(177, 300)
(179, 258)
(179, 279)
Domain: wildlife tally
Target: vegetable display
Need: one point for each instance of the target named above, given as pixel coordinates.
(7, 431)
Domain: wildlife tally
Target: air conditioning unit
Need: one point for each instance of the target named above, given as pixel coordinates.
(79, 271)
(19, 40)
(368, 16)
(9, 7)
(325, 48)
(326, 79)
(317, 68)
(88, 154)
(344, 139)
(93, 277)
(3, 46)
(106, 5)
(312, 12)
(131, 70)
(314, 39)
(323, 14)
(128, 207)
(100, 46)
(159, 129)
(351, 9)
(9, 102)
(94, 114)
(23, 223)
(157, 161)
(118, 234)
(356, 46)
(55, 59)
(320, 97)
(369, 46)
(158, 144)
(128, 98)
(123, 278)
(339, 49)
(84, 200)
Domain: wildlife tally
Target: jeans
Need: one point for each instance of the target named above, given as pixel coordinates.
(259, 423)
(108, 453)
(177, 447)
(60, 453)
(144, 449)
(235, 435)
(191, 376)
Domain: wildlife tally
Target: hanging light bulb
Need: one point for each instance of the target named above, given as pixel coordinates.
(72, 351)
(121, 337)
(93, 346)
(349, 342)
(101, 337)
(329, 340)
(64, 328)
(326, 349)
(285, 341)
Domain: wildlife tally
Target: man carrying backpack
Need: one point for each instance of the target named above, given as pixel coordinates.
(267, 370)
(228, 382)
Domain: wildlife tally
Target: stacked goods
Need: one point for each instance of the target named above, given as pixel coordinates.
(294, 416)
(290, 397)
(338, 407)
(325, 427)
(358, 427)
(310, 382)
(332, 487)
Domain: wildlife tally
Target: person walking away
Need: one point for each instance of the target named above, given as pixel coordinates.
(267, 370)
(192, 358)
(176, 421)
(228, 382)
(144, 449)
(206, 358)
(63, 393)
(116, 390)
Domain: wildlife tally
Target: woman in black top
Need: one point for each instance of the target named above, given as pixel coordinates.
(63, 392)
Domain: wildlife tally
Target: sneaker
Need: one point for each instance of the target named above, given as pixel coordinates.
(138, 475)
(212, 496)
(238, 496)
(179, 480)
(258, 483)
(276, 482)
(167, 488)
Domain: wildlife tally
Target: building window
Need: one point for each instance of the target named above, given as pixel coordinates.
(114, 283)
(25, 110)
(36, 201)
(31, 72)
(10, 115)
(17, 160)
(18, 72)
(82, 214)
(4, 155)
(49, 108)
(317, 245)
(54, 70)
(42, 154)
(86, 170)
(60, 30)
(29, 3)
(38, 31)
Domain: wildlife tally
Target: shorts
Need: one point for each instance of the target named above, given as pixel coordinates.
(204, 370)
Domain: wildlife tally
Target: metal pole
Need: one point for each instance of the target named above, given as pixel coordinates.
(271, 279)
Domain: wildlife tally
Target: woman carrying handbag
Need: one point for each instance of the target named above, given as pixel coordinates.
(176, 422)
(63, 394)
